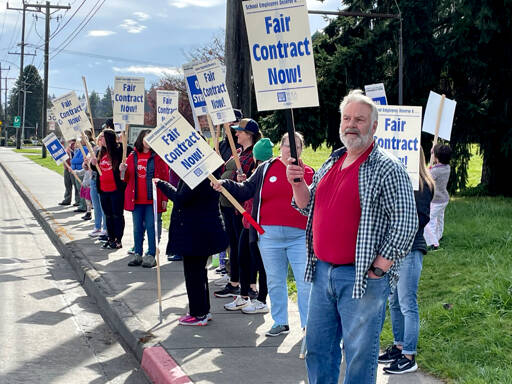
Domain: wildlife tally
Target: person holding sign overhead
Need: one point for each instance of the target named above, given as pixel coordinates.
(142, 165)
(111, 187)
(362, 220)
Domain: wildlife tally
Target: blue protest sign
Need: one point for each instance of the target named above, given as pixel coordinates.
(55, 148)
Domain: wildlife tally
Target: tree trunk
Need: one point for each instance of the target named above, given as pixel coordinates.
(237, 58)
(496, 171)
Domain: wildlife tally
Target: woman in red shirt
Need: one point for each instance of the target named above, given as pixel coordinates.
(111, 187)
(142, 165)
(284, 240)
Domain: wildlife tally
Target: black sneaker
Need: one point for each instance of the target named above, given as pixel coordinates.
(402, 365)
(87, 216)
(391, 354)
(64, 203)
(76, 204)
(221, 271)
(106, 245)
(252, 294)
(228, 291)
(103, 238)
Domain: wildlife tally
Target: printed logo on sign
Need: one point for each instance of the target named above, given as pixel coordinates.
(198, 172)
(219, 115)
(281, 97)
(125, 117)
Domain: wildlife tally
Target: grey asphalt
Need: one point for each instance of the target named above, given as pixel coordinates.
(233, 347)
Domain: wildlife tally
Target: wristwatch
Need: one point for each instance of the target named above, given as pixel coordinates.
(378, 272)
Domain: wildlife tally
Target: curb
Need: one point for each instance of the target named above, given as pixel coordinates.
(156, 363)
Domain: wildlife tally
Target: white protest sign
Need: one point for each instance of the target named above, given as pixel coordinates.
(166, 104)
(430, 118)
(212, 80)
(129, 100)
(184, 151)
(195, 96)
(377, 93)
(281, 54)
(399, 133)
(55, 148)
(70, 116)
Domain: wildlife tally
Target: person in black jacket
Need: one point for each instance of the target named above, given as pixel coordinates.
(403, 302)
(196, 232)
(111, 187)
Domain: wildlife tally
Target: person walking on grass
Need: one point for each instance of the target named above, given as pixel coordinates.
(440, 171)
(361, 221)
(403, 302)
(284, 240)
(140, 168)
(196, 232)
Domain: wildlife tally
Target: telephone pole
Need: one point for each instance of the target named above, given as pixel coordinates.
(37, 8)
(4, 122)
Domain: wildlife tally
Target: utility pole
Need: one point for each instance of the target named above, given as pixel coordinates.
(37, 8)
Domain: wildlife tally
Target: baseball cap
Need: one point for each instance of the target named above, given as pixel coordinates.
(238, 115)
(248, 125)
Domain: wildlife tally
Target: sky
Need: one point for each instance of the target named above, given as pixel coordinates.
(101, 39)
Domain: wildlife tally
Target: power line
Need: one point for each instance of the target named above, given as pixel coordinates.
(66, 23)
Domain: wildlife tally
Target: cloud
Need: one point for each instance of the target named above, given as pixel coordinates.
(100, 33)
(132, 26)
(141, 16)
(149, 70)
(195, 3)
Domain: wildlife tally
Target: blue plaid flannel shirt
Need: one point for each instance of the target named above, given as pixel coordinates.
(389, 219)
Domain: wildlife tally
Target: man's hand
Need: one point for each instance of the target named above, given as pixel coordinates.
(123, 167)
(294, 172)
(241, 177)
(382, 263)
(217, 186)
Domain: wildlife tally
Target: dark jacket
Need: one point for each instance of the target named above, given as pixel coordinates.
(118, 155)
(225, 149)
(423, 199)
(196, 226)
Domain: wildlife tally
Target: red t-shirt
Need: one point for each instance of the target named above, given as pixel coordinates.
(276, 198)
(141, 184)
(107, 181)
(337, 212)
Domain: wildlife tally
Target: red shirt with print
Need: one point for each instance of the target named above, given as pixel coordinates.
(107, 181)
(337, 212)
(142, 192)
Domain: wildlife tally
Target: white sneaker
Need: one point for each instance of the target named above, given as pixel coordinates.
(95, 232)
(237, 304)
(255, 306)
(222, 281)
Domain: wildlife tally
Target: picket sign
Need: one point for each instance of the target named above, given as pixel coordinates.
(190, 156)
(439, 114)
(157, 256)
(227, 130)
(84, 137)
(55, 148)
(72, 172)
(124, 140)
(215, 137)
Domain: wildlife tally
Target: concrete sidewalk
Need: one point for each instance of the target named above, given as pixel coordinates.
(231, 349)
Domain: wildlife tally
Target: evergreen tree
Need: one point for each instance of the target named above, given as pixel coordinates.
(105, 109)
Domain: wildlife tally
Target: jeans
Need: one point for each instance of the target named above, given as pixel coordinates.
(280, 245)
(99, 215)
(143, 221)
(333, 315)
(403, 304)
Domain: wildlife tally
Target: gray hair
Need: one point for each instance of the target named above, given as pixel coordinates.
(357, 96)
(298, 138)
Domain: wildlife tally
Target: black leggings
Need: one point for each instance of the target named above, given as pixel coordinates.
(196, 282)
(234, 226)
(250, 265)
(113, 207)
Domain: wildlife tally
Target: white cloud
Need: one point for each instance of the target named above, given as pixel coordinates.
(141, 16)
(149, 70)
(100, 33)
(132, 26)
(195, 3)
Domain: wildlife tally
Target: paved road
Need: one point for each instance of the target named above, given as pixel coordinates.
(50, 331)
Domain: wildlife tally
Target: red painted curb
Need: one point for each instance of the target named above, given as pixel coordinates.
(161, 368)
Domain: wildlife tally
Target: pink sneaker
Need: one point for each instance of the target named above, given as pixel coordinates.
(193, 321)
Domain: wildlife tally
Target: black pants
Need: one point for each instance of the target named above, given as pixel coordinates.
(234, 226)
(113, 207)
(196, 282)
(250, 265)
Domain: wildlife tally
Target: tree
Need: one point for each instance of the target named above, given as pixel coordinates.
(95, 103)
(33, 85)
(105, 109)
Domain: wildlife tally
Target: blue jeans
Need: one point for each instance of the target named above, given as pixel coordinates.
(99, 216)
(333, 315)
(143, 221)
(280, 245)
(403, 304)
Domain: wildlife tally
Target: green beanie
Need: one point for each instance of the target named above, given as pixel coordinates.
(262, 150)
